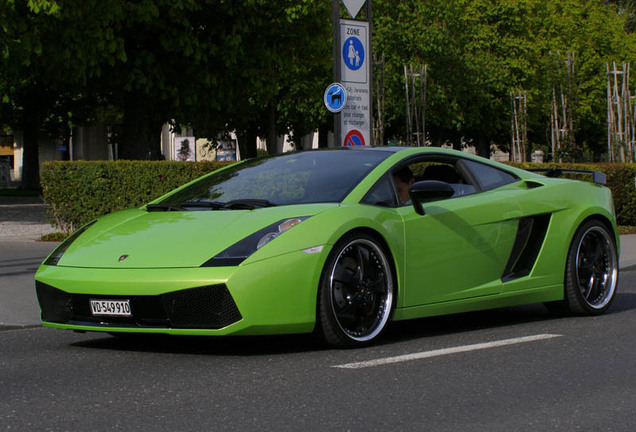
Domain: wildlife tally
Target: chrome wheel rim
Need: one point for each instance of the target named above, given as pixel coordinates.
(361, 290)
(596, 268)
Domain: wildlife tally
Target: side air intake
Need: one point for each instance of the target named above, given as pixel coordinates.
(530, 237)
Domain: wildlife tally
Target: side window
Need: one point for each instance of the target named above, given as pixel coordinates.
(487, 176)
(381, 194)
(431, 167)
(445, 170)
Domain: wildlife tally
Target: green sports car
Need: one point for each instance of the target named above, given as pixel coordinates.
(337, 242)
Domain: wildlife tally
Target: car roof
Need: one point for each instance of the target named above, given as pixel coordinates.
(392, 149)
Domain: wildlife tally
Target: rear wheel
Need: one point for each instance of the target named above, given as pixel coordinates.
(356, 292)
(591, 274)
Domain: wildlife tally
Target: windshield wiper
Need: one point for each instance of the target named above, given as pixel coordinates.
(238, 204)
(162, 207)
(248, 204)
(203, 204)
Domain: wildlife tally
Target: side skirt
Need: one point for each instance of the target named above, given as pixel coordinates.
(537, 295)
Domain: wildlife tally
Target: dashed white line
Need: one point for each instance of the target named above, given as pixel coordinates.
(445, 351)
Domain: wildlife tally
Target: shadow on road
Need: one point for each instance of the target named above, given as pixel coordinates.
(203, 345)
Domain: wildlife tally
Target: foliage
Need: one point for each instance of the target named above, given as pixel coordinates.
(78, 192)
(259, 67)
(54, 237)
(210, 65)
(480, 50)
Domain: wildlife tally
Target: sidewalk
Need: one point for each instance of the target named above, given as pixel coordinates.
(23, 219)
(628, 251)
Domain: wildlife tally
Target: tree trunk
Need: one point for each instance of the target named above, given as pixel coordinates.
(31, 123)
(323, 136)
(271, 130)
(140, 140)
(483, 148)
(247, 144)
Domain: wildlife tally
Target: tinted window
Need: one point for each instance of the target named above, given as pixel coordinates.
(488, 177)
(443, 168)
(381, 194)
(291, 178)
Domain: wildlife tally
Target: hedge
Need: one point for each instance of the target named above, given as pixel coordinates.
(78, 192)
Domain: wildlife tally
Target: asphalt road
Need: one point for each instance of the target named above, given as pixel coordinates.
(516, 369)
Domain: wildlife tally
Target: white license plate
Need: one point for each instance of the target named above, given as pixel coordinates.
(111, 308)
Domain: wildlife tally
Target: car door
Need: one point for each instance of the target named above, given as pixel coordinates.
(459, 248)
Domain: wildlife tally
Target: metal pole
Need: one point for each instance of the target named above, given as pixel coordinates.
(70, 145)
(423, 100)
(337, 131)
(370, 60)
(408, 111)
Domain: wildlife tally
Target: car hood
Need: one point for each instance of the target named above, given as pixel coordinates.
(140, 239)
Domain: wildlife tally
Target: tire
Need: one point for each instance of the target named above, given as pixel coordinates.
(356, 294)
(591, 273)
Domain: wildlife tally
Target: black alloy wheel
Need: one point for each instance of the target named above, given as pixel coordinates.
(356, 293)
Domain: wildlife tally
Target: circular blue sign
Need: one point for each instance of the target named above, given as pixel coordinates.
(335, 97)
(353, 53)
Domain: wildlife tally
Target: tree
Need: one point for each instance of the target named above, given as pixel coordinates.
(45, 69)
(257, 67)
(480, 50)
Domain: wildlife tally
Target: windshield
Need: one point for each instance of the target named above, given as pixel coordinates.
(291, 178)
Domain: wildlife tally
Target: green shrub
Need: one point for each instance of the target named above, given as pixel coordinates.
(54, 237)
(78, 192)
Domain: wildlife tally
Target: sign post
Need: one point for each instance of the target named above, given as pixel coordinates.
(352, 68)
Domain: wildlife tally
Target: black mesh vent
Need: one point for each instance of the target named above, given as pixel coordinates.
(525, 251)
(56, 305)
(210, 307)
(204, 307)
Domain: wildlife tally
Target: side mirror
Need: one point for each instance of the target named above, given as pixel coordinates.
(428, 191)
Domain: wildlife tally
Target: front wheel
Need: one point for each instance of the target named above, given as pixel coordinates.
(356, 292)
(591, 274)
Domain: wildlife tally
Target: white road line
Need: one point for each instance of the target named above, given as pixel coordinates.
(445, 351)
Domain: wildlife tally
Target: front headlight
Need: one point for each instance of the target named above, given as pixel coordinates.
(56, 255)
(237, 253)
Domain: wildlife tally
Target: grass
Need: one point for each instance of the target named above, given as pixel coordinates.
(54, 237)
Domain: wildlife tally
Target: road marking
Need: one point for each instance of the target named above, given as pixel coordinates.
(445, 351)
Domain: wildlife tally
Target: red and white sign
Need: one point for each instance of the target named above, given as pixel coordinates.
(354, 138)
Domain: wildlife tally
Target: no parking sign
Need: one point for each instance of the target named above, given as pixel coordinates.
(354, 138)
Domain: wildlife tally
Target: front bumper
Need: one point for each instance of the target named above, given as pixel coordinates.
(272, 296)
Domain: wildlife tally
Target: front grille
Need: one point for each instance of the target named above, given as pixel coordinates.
(204, 307)
(207, 307)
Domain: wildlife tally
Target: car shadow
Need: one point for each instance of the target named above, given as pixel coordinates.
(401, 331)
(205, 345)
(396, 332)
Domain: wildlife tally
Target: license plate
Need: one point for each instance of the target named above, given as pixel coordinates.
(111, 308)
